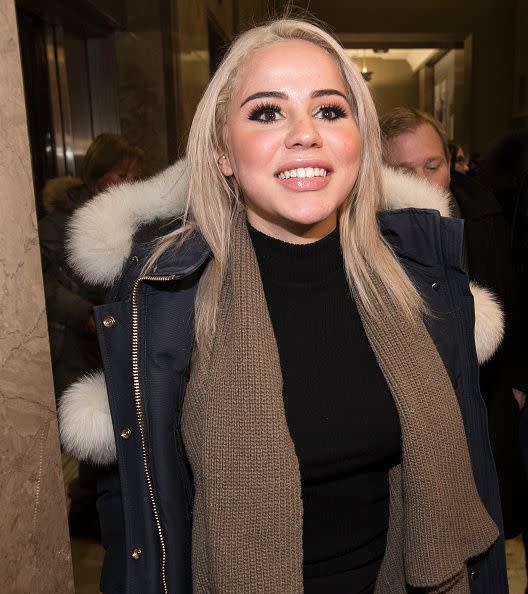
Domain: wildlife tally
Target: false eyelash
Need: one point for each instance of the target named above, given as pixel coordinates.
(259, 108)
(340, 112)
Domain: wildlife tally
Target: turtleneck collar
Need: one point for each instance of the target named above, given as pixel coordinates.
(297, 264)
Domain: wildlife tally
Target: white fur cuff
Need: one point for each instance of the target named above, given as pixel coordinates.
(84, 414)
(85, 422)
(489, 322)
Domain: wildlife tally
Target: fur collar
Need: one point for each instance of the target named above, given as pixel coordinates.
(100, 233)
(100, 238)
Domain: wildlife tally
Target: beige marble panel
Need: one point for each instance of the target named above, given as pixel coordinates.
(222, 11)
(516, 566)
(35, 547)
(254, 12)
(141, 94)
(192, 47)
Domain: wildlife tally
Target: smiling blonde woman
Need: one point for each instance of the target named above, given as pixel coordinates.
(290, 397)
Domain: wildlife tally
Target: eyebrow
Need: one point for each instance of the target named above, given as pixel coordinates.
(407, 165)
(435, 158)
(281, 95)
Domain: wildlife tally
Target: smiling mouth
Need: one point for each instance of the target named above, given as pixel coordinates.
(303, 172)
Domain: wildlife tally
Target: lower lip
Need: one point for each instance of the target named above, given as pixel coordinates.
(305, 184)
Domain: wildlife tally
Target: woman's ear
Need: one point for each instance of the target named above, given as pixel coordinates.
(225, 165)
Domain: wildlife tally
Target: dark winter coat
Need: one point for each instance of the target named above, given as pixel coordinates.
(490, 264)
(146, 338)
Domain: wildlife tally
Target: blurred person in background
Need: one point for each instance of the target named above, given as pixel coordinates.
(506, 171)
(474, 164)
(457, 158)
(109, 160)
(415, 142)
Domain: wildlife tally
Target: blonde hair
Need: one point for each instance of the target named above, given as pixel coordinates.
(213, 200)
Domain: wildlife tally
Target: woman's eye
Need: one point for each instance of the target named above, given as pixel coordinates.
(266, 114)
(330, 113)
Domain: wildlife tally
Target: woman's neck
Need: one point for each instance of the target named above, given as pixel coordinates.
(292, 231)
(294, 264)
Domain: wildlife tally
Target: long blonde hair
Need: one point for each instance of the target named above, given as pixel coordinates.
(213, 200)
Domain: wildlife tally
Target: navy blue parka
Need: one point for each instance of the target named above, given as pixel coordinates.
(146, 339)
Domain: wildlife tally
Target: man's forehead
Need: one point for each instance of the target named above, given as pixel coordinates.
(416, 147)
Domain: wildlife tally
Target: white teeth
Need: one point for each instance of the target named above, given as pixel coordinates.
(303, 172)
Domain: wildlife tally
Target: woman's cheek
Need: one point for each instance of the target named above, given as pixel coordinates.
(254, 154)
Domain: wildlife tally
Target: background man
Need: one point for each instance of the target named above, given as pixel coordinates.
(415, 142)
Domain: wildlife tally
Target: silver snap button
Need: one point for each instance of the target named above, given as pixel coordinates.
(109, 321)
(436, 286)
(126, 432)
(136, 553)
(135, 259)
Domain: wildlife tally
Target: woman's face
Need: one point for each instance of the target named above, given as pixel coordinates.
(127, 171)
(292, 142)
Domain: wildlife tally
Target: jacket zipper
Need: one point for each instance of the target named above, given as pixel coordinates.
(141, 420)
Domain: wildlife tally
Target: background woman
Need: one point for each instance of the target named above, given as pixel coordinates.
(294, 425)
(458, 160)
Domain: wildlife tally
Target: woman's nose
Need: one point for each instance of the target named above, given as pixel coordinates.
(303, 134)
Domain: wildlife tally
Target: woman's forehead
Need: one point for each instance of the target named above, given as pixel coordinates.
(294, 65)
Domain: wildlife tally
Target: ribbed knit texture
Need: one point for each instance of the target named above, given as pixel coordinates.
(247, 531)
(340, 411)
(444, 521)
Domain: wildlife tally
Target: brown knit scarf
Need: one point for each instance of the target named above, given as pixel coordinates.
(247, 531)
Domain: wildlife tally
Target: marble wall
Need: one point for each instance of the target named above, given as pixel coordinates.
(191, 47)
(249, 13)
(35, 546)
(141, 94)
(223, 13)
(141, 82)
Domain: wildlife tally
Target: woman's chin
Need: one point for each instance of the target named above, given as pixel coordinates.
(287, 224)
(313, 219)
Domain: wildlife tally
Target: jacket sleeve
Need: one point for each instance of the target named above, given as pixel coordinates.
(110, 508)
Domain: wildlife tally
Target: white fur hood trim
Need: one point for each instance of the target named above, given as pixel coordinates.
(100, 232)
(405, 190)
(84, 414)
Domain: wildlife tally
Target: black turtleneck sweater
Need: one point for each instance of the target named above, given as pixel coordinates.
(339, 409)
